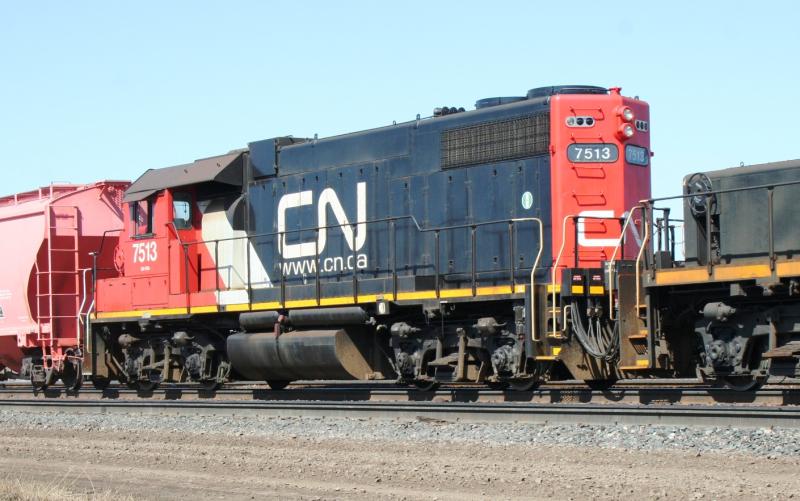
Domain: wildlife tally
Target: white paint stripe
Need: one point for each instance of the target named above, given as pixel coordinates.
(232, 256)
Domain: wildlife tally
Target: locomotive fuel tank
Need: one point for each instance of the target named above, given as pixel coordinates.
(307, 354)
(313, 351)
(270, 351)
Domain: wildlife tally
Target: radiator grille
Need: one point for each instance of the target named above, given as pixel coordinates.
(496, 141)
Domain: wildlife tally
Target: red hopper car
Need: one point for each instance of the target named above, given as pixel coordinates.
(49, 237)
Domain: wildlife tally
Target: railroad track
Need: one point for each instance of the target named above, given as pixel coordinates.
(439, 412)
(667, 392)
(687, 403)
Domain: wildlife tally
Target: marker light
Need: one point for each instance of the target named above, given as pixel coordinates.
(625, 114)
(625, 131)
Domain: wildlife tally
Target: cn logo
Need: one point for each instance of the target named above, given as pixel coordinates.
(327, 198)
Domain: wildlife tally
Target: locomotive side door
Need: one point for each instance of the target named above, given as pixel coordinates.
(146, 252)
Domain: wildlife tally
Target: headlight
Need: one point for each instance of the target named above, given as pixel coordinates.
(626, 114)
(626, 131)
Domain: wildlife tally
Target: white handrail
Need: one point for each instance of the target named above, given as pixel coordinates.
(610, 264)
(533, 272)
(80, 313)
(555, 268)
(84, 271)
(639, 259)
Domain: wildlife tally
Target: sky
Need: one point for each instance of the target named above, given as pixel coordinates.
(95, 90)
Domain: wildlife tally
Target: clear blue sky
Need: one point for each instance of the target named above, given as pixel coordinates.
(92, 90)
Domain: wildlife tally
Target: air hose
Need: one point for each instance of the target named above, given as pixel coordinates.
(600, 341)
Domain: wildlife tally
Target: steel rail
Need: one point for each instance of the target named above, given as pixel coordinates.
(622, 384)
(509, 412)
(553, 395)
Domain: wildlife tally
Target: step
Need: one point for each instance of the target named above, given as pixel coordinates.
(641, 336)
(444, 361)
(640, 366)
(789, 350)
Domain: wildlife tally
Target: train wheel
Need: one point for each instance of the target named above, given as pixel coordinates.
(210, 385)
(277, 385)
(72, 375)
(523, 384)
(100, 383)
(146, 386)
(740, 383)
(142, 386)
(497, 385)
(425, 384)
(600, 384)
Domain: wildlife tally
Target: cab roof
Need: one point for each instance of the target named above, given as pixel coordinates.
(224, 169)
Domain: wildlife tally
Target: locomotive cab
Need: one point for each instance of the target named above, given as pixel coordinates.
(173, 258)
(160, 259)
(157, 251)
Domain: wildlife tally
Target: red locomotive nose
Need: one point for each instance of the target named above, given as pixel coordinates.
(599, 172)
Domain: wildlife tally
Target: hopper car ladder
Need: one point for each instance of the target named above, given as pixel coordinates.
(58, 285)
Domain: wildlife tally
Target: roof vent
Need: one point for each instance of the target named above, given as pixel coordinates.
(565, 89)
(495, 101)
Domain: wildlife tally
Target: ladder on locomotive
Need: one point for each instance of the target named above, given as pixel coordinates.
(58, 287)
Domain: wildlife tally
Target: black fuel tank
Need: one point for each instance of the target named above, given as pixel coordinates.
(306, 354)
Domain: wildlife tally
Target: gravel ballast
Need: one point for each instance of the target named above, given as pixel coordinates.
(168, 456)
(755, 441)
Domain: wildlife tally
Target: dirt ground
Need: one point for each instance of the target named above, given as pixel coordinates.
(216, 466)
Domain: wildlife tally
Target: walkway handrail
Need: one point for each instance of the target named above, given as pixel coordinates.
(554, 270)
(610, 263)
(533, 273)
(391, 220)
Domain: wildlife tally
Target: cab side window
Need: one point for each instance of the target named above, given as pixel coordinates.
(182, 211)
(142, 217)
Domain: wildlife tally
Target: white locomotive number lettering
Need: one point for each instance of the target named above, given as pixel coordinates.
(145, 252)
(590, 154)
